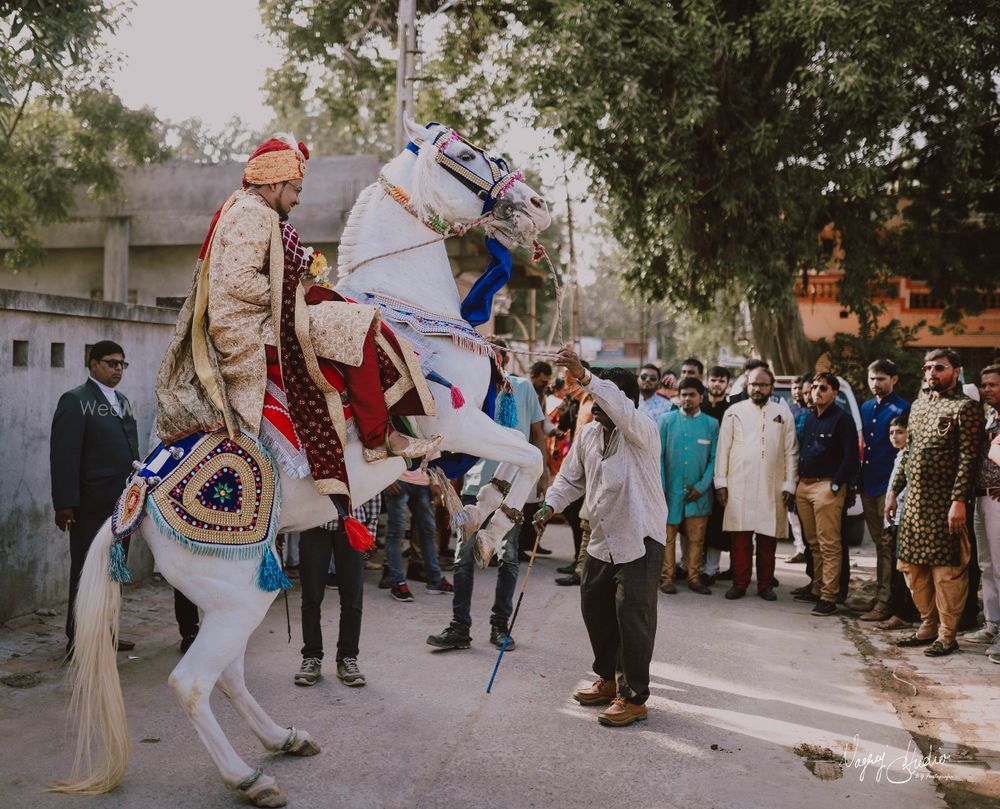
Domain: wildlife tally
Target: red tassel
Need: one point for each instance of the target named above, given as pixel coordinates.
(358, 535)
(457, 399)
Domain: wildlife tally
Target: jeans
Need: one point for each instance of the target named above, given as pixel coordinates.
(503, 602)
(419, 498)
(315, 547)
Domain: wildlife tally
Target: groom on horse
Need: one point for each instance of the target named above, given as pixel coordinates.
(255, 326)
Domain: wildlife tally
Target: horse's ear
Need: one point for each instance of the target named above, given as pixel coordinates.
(414, 131)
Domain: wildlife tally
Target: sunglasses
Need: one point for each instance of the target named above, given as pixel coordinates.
(115, 364)
(821, 388)
(648, 377)
(938, 367)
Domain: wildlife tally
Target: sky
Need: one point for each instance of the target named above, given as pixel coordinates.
(196, 58)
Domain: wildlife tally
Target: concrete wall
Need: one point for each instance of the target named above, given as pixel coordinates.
(35, 556)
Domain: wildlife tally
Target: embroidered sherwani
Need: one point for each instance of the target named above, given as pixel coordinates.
(215, 370)
(757, 459)
(938, 466)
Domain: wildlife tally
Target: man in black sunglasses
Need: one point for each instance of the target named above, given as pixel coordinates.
(938, 466)
(94, 442)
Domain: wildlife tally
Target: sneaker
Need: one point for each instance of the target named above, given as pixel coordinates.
(331, 581)
(621, 713)
(310, 672)
(824, 608)
(985, 634)
(455, 636)
(443, 587)
(401, 592)
(348, 672)
(497, 636)
(994, 657)
(809, 597)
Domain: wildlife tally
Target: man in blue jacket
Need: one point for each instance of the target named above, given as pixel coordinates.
(876, 468)
(828, 466)
(687, 464)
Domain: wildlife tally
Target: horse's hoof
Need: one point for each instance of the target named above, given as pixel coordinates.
(305, 747)
(482, 553)
(266, 795)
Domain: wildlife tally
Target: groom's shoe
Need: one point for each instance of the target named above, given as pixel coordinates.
(415, 448)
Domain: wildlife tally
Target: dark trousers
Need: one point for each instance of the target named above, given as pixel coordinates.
(619, 610)
(741, 559)
(572, 515)
(186, 614)
(900, 602)
(526, 536)
(81, 536)
(315, 547)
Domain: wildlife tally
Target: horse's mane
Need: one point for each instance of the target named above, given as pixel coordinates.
(349, 238)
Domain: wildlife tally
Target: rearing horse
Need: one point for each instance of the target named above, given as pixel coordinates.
(388, 255)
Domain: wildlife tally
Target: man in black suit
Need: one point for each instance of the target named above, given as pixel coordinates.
(94, 442)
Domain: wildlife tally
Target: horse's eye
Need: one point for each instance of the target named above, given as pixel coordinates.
(467, 156)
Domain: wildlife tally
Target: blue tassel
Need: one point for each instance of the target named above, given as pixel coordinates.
(507, 410)
(117, 566)
(270, 576)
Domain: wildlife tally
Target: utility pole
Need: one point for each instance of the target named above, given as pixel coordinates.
(574, 278)
(405, 68)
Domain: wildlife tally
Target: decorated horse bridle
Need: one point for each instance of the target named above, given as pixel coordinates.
(491, 190)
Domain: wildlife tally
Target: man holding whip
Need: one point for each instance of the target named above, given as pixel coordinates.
(615, 464)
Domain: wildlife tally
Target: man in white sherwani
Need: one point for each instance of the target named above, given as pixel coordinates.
(756, 469)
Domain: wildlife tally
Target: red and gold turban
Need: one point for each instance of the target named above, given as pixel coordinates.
(276, 161)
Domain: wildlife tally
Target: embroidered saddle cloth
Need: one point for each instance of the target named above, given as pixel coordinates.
(220, 499)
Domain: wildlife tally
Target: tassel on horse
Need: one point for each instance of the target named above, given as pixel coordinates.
(457, 397)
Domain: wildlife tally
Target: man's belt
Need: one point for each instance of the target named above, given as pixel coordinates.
(808, 481)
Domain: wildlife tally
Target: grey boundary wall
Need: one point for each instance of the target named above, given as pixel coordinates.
(43, 344)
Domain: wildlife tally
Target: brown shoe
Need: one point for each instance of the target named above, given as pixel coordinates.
(875, 615)
(600, 693)
(621, 713)
(895, 623)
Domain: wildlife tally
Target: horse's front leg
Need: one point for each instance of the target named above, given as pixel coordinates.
(483, 437)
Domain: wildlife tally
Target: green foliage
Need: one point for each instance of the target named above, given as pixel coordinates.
(721, 137)
(850, 354)
(191, 139)
(61, 128)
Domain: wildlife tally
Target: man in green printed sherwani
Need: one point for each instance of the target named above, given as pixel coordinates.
(939, 467)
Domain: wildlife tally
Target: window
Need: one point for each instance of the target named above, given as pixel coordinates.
(86, 354)
(57, 355)
(20, 353)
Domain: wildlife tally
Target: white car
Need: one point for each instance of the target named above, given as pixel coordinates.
(853, 526)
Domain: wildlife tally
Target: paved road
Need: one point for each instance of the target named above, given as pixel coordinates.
(737, 687)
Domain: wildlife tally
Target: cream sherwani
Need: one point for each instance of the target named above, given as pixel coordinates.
(757, 459)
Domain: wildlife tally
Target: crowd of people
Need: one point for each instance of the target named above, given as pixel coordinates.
(657, 475)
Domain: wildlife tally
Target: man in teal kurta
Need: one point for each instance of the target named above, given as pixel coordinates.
(687, 451)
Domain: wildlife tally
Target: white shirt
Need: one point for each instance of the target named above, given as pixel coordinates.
(621, 484)
(110, 395)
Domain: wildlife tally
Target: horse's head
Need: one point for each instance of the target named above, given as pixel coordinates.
(460, 182)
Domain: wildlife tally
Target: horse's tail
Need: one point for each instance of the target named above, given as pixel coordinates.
(97, 695)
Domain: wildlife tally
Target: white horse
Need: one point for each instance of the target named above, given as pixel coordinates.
(232, 606)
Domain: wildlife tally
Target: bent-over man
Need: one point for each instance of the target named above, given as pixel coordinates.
(615, 465)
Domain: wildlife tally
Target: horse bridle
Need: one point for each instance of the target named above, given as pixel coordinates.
(491, 190)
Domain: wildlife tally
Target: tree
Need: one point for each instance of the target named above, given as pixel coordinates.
(61, 127)
(723, 137)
